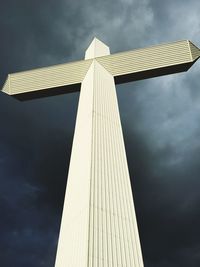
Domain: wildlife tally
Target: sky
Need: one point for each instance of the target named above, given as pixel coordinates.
(160, 119)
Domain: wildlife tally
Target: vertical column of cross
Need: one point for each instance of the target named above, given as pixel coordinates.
(98, 227)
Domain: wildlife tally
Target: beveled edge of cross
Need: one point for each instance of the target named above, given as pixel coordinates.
(137, 64)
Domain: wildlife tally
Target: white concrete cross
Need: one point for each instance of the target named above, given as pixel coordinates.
(98, 227)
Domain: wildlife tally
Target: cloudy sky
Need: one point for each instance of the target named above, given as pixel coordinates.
(160, 119)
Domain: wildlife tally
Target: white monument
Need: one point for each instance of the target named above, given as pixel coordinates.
(98, 227)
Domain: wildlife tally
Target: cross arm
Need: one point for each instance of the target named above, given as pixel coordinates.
(151, 62)
(58, 79)
(125, 67)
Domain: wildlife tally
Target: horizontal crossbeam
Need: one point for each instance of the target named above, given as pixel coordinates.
(125, 67)
(53, 80)
(151, 62)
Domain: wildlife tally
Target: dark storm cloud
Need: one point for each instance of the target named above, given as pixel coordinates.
(36, 34)
(160, 120)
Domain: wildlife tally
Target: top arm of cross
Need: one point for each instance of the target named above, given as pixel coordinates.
(125, 67)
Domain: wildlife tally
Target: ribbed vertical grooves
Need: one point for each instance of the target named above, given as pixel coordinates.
(113, 233)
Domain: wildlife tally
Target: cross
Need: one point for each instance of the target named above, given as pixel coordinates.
(98, 226)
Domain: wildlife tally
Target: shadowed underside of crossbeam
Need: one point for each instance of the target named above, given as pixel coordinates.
(125, 67)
